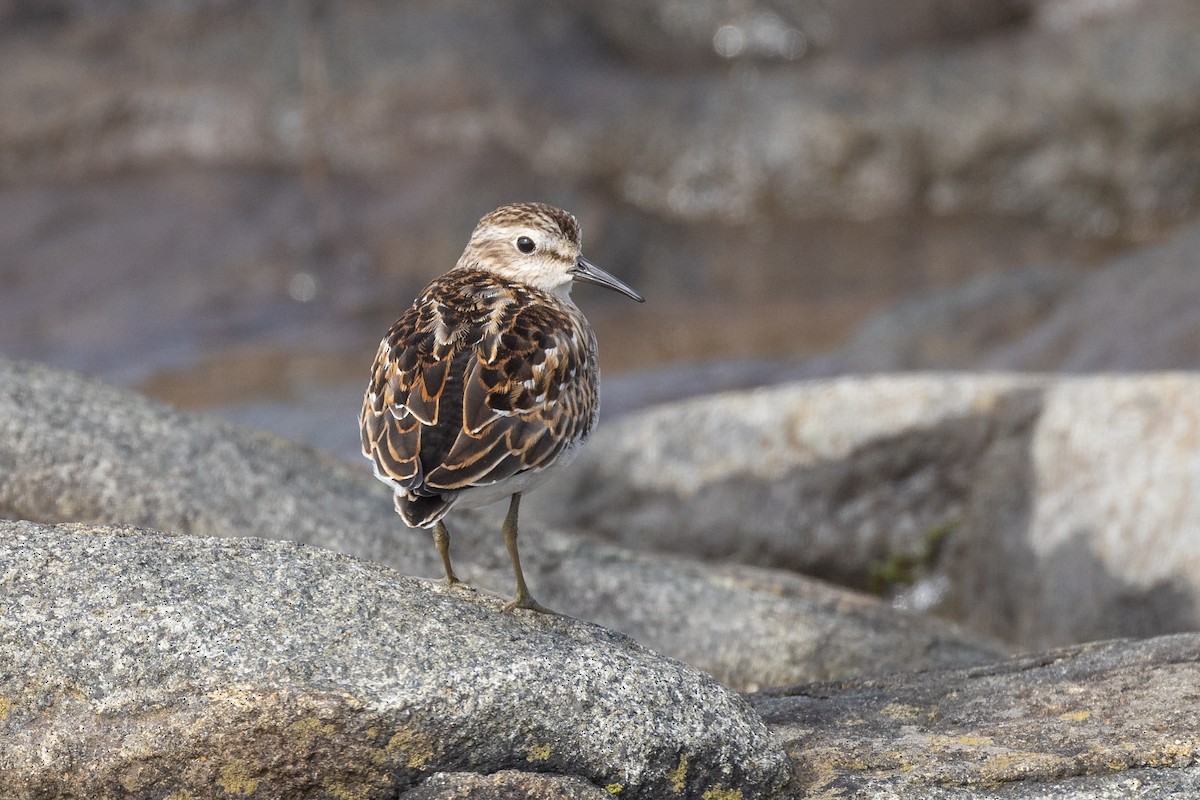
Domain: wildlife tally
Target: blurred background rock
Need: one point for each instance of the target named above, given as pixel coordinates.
(224, 204)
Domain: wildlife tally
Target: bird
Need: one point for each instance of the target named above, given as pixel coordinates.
(489, 381)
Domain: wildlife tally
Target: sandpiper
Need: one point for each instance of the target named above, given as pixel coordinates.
(489, 379)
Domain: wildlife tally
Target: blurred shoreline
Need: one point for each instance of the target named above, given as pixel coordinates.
(224, 205)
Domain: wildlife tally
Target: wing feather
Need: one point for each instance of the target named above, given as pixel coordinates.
(480, 380)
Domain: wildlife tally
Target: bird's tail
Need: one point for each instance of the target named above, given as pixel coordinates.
(423, 511)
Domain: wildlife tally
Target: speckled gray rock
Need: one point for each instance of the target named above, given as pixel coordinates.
(140, 665)
(1108, 720)
(1084, 524)
(505, 785)
(77, 450)
(1042, 510)
(825, 477)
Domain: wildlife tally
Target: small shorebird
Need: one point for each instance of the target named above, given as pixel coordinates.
(489, 379)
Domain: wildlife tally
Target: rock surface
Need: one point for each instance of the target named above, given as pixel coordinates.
(823, 477)
(504, 785)
(1041, 510)
(955, 328)
(141, 664)
(144, 664)
(1108, 720)
(77, 450)
(1141, 312)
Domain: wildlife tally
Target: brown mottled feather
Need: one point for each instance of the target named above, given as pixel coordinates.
(481, 379)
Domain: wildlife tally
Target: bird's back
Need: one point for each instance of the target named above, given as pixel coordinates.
(481, 380)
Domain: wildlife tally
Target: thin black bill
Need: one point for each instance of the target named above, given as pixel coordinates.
(588, 272)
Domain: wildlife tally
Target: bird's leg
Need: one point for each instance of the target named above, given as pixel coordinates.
(441, 538)
(523, 599)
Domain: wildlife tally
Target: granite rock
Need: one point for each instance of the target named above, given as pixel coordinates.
(138, 665)
(824, 477)
(504, 785)
(1106, 720)
(1042, 510)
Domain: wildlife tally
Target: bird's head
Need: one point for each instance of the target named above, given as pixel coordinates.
(537, 245)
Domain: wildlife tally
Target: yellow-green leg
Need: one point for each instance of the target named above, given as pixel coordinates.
(523, 599)
(441, 538)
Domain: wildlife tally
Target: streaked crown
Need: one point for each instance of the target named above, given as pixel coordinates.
(537, 245)
(544, 217)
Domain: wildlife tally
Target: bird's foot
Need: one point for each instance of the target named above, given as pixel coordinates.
(452, 580)
(527, 602)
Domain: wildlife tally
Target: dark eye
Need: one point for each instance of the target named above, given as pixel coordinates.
(525, 245)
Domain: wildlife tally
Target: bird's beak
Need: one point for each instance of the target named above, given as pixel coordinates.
(588, 272)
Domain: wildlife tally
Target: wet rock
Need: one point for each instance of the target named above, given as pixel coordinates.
(1038, 509)
(1141, 312)
(1113, 719)
(1137, 311)
(955, 328)
(77, 450)
(144, 664)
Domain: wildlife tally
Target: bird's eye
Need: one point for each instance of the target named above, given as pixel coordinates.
(525, 245)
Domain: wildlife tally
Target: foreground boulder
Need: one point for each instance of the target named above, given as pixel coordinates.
(505, 785)
(1042, 510)
(143, 665)
(77, 450)
(1113, 719)
(138, 664)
